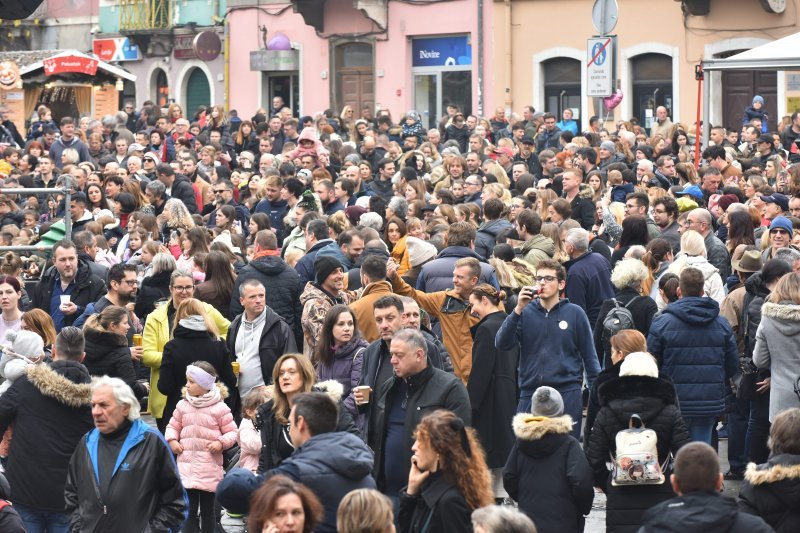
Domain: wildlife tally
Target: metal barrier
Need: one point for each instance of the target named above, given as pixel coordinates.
(67, 218)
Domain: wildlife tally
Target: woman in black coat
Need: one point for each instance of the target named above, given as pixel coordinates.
(107, 351)
(639, 391)
(448, 477)
(492, 384)
(627, 278)
(772, 490)
(155, 287)
(194, 338)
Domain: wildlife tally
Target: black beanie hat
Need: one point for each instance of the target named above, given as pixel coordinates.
(323, 267)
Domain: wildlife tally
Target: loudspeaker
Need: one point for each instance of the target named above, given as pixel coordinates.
(18, 9)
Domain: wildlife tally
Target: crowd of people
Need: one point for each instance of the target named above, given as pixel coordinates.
(351, 323)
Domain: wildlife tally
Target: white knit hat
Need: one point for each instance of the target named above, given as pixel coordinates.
(419, 251)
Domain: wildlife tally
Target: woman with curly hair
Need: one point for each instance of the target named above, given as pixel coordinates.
(176, 217)
(448, 479)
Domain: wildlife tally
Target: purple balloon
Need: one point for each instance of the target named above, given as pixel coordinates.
(279, 42)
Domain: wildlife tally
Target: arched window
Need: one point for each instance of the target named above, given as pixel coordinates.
(652, 86)
(198, 91)
(562, 86)
(161, 88)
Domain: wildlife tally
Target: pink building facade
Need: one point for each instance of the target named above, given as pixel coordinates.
(400, 57)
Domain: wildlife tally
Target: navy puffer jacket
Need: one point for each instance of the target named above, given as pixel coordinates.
(695, 347)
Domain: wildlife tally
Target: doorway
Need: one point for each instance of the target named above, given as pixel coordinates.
(652, 86)
(355, 76)
(562, 87)
(283, 84)
(738, 90)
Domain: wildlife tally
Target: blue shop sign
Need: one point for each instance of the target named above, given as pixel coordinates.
(441, 51)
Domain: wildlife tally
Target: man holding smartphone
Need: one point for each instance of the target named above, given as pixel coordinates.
(555, 342)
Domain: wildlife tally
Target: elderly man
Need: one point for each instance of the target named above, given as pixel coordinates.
(47, 427)
(123, 457)
(588, 280)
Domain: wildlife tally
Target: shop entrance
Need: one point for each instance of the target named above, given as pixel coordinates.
(283, 84)
(442, 70)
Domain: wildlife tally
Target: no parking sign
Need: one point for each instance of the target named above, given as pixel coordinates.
(600, 66)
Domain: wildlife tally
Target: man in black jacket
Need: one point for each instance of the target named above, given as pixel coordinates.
(177, 186)
(279, 279)
(415, 389)
(698, 482)
(67, 277)
(122, 476)
(258, 321)
(50, 409)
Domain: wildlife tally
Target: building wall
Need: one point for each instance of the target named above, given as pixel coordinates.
(393, 80)
(543, 29)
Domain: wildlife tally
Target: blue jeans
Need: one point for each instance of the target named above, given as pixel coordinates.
(700, 427)
(36, 521)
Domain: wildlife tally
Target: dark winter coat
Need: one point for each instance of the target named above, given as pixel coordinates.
(185, 347)
(643, 309)
(50, 409)
(707, 512)
(545, 450)
(492, 389)
(589, 283)
(486, 236)
(271, 429)
(283, 289)
(108, 354)
(154, 288)
(276, 211)
(695, 346)
(460, 135)
(305, 266)
(88, 289)
(145, 468)
(429, 390)
(437, 506)
(330, 464)
(772, 491)
(276, 340)
(655, 402)
(346, 366)
(437, 275)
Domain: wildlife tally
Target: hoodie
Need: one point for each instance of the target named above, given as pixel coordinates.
(330, 464)
(487, 235)
(538, 248)
(695, 346)
(705, 512)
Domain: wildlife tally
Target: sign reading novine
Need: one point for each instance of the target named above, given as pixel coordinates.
(441, 51)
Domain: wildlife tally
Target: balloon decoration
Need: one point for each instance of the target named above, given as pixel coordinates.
(279, 42)
(610, 102)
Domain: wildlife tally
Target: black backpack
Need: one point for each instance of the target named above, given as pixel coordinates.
(617, 319)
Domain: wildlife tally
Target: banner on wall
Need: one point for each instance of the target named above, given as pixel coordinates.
(116, 49)
(441, 51)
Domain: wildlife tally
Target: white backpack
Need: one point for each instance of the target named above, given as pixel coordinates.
(636, 461)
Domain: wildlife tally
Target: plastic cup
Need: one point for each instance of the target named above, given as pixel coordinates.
(64, 299)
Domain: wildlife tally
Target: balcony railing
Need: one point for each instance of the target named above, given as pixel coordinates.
(143, 15)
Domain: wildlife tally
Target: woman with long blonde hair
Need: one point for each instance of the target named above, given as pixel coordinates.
(448, 462)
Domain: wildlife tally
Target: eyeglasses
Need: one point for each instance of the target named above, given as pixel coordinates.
(778, 231)
(545, 279)
(187, 288)
(131, 282)
(629, 206)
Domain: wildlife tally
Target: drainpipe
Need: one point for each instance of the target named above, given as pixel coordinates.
(509, 61)
(226, 61)
(480, 59)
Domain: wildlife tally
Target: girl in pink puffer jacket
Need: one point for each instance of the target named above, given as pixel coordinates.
(200, 428)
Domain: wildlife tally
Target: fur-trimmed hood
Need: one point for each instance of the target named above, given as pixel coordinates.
(540, 437)
(64, 381)
(585, 191)
(331, 387)
(786, 316)
(529, 427)
(782, 467)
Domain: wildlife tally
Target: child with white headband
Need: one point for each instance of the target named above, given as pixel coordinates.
(200, 428)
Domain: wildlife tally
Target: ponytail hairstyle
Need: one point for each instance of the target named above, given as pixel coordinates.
(106, 318)
(493, 295)
(657, 251)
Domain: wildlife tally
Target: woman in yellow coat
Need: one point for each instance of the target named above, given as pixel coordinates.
(158, 331)
(396, 237)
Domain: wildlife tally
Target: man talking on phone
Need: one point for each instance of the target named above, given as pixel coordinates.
(555, 342)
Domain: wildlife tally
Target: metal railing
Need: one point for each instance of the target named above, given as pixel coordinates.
(145, 15)
(67, 220)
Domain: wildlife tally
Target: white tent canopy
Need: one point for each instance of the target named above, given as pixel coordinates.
(779, 55)
(783, 54)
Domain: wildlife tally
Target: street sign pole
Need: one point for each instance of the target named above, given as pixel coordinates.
(601, 77)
